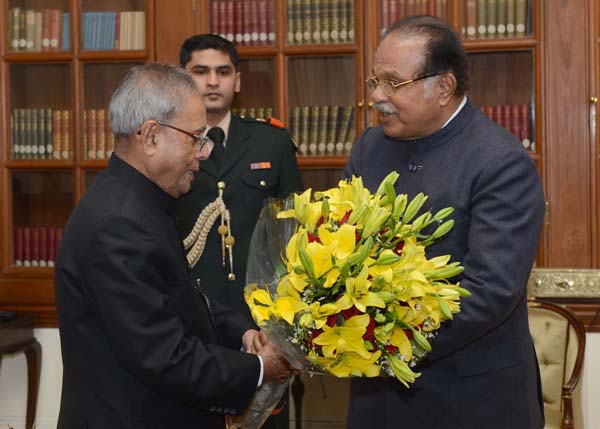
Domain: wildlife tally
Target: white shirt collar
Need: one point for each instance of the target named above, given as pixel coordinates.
(458, 109)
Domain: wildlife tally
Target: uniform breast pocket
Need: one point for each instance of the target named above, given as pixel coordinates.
(258, 185)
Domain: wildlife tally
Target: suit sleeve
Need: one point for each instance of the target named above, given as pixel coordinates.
(507, 209)
(127, 283)
(231, 324)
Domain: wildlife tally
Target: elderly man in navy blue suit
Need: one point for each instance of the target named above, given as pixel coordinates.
(482, 372)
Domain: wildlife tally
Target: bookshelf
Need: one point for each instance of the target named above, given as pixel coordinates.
(60, 60)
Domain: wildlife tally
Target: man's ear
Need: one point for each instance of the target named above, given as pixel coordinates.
(148, 137)
(446, 88)
(238, 82)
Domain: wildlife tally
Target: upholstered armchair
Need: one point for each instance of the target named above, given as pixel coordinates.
(559, 340)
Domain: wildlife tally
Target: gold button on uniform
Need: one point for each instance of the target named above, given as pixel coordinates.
(263, 183)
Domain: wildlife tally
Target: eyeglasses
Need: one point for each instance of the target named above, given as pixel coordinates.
(388, 87)
(199, 139)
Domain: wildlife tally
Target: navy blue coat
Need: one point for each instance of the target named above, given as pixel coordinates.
(482, 372)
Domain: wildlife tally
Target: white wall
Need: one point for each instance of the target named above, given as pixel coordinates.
(13, 384)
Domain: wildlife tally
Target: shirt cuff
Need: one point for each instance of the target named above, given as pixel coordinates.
(260, 377)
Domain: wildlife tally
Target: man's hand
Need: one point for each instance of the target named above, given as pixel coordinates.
(250, 341)
(275, 367)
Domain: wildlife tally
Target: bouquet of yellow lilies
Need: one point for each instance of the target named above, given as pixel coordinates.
(342, 284)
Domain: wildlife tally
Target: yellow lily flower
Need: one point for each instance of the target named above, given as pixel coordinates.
(343, 240)
(260, 303)
(319, 313)
(347, 338)
(400, 340)
(353, 364)
(286, 308)
(358, 294)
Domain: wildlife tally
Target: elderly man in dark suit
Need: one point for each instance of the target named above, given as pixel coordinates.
(482, 372)
(141, 347)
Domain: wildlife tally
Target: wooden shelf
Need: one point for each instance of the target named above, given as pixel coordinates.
(113, 56)
(38, 57)
(321, 50)
(40, 164)
(321, 162)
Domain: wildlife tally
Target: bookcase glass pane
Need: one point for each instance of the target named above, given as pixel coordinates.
(40, 119)
(244, 22)
(502, 85)
(257, 95)
(321, 80)
(40, 86)
(322, 117)
(320, 22)
(41, 198)
(38, 25)
(321, 179)
(99, 82)
(41, 204)
(393, 10)
(492, 19)
(113, 25)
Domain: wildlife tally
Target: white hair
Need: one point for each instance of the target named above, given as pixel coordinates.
(150, 91)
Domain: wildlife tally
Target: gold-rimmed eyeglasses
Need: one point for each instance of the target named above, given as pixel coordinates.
(199, 139)
(389, 87)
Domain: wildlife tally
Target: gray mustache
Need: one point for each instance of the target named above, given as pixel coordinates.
(384, 108)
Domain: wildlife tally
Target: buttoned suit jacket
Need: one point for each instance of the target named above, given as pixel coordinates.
(249, 141)
(482, 371)
(140, 346)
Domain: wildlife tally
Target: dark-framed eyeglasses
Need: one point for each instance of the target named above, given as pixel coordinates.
(199, 139)
(389, 87)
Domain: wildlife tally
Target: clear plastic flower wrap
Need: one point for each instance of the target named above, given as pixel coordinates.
(340, 281)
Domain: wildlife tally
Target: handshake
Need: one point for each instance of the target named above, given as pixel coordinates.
(275, 366)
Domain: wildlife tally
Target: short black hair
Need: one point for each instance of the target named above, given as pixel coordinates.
(201, 42)
(443, 50)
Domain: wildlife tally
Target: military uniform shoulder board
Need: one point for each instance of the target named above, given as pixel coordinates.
(277, 123)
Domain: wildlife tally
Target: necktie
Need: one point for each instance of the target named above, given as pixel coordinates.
(217, 135)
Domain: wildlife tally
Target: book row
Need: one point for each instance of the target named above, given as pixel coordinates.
(516, 118)
(392, 10)
(495, 18)
(243, 22)
(107, 31)
(98, 138)
(36, 246)
(320, 21)
(253, 112)
(323, 130)
(38, 30)
(41, 134)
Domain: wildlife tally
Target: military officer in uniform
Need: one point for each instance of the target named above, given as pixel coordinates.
(250, 160)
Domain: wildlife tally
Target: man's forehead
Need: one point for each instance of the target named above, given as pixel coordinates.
(397, 54)
(210, 58)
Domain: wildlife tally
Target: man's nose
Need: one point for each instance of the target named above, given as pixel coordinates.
(203, 153)
(213, 78)
(378, 95)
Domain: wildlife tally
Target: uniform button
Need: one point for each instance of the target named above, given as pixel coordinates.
(263, 183)
(233, 411)
(211, 409)
(226, 410)
(219, 410)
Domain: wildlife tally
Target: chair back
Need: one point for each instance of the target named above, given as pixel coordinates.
(559, 340)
